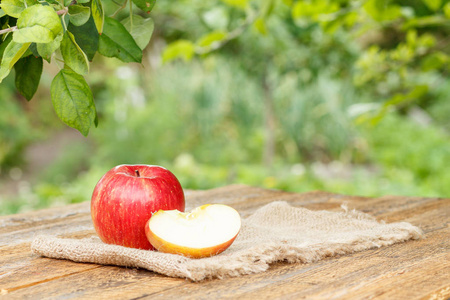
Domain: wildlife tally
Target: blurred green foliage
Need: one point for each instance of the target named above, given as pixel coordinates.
(344, 96)
(15, 129)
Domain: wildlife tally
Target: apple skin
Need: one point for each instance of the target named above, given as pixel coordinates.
(126, 197)
(166, 247)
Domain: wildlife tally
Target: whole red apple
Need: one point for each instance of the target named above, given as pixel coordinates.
(126, 197)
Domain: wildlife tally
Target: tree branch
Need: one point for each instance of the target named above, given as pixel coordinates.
(249, 20)
(3, 31)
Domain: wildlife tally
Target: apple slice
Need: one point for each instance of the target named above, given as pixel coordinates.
(205, 231)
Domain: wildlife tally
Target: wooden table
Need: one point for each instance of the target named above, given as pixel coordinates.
(412, 270)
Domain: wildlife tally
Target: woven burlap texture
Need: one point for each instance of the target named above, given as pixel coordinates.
(275, 232)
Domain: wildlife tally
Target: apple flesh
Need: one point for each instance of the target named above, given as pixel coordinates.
(205, 231)
(125, 198)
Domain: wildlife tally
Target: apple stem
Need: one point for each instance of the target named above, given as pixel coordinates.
(137, 173)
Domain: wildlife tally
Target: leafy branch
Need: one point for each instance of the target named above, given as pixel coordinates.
(210, 42)
(215, 40)
(76, 29)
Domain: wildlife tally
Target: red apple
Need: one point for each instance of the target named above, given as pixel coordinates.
(125, 198)
(207, 230)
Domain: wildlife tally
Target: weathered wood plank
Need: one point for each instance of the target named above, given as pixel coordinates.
(16, 230)
(385, 271)
(34, 270)
(100, 283)
(24, 220)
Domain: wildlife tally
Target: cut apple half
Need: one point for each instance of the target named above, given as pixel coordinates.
(205, 231)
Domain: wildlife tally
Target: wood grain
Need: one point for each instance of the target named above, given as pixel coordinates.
(411, 270)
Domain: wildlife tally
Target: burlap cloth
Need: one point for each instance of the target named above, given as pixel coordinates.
(275, 232)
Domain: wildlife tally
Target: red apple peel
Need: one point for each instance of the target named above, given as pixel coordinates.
(125, 198)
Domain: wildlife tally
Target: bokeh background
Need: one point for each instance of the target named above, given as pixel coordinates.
(312, 97)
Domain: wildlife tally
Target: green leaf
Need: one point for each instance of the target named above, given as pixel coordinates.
(180, 49)
(116, 41)
(4, 44)
(433, 5)
(54, 2)
(267, 8)
(33, 49)
(79, 14)
(2, 13)
(241, 4)
(73, 56)
(381, 10)
(417, 92)
(37, 24)
(13, 52)
(45, 50)
(14, 8)
(86, 36)
(28, 52)
(28, 74)
(145, 5)
(315, 10)
(432, 20)
(435, 61)
(300, 9)
(397, 99)
(211, 38)
(260, 26)
(73, 101)
(98, 14)
(141, 29)
(447, 10)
